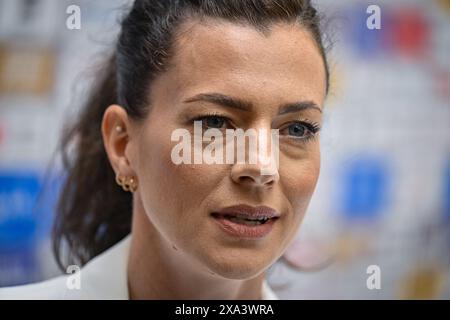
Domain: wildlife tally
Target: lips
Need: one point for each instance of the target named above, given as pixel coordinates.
(246, 221)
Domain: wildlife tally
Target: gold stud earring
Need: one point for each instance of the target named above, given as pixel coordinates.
(132, 184)
(127, 183)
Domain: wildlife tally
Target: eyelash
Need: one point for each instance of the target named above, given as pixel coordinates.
(312, 127)
(211, 115)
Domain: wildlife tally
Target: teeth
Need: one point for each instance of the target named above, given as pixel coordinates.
(244, 217)
(248, 221)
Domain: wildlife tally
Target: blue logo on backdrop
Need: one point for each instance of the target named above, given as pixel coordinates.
(365, 187)
(26, 212)
(18, 195)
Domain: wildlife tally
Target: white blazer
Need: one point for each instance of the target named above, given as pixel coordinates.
(104, 277)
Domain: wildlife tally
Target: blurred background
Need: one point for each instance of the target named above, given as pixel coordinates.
(378, 226)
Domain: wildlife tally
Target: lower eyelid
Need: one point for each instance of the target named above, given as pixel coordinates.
(299, 140)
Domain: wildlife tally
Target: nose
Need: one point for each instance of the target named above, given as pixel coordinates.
(261, 166)
(252, 175)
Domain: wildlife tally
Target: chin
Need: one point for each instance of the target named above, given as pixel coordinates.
(239, 267)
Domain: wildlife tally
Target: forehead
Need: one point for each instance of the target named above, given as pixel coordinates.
(217, 56)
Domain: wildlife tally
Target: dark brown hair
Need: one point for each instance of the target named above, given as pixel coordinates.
(93, 212)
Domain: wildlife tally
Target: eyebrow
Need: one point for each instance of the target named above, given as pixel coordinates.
(243, 105)
(298, 106)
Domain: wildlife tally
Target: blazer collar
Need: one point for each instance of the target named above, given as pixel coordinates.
(105, 276)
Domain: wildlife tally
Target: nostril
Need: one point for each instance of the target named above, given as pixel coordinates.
(252, 176)
(259, 181)
(246, 179)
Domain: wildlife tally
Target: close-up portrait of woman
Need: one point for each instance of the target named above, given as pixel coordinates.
(144, 227)
(224, 150)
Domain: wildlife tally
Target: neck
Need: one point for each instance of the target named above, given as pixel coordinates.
(158, 270)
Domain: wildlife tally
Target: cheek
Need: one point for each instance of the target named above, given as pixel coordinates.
(299, 179)
(172, 195)
(156, 173)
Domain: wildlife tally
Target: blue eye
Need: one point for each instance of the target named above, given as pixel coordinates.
(297, 130)
(301, 130)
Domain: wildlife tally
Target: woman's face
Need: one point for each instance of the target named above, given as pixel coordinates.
(267, 72)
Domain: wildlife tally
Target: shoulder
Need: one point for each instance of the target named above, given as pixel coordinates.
(55, 288)
(104, 277)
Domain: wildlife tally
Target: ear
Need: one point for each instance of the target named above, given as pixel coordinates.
(116, 131)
